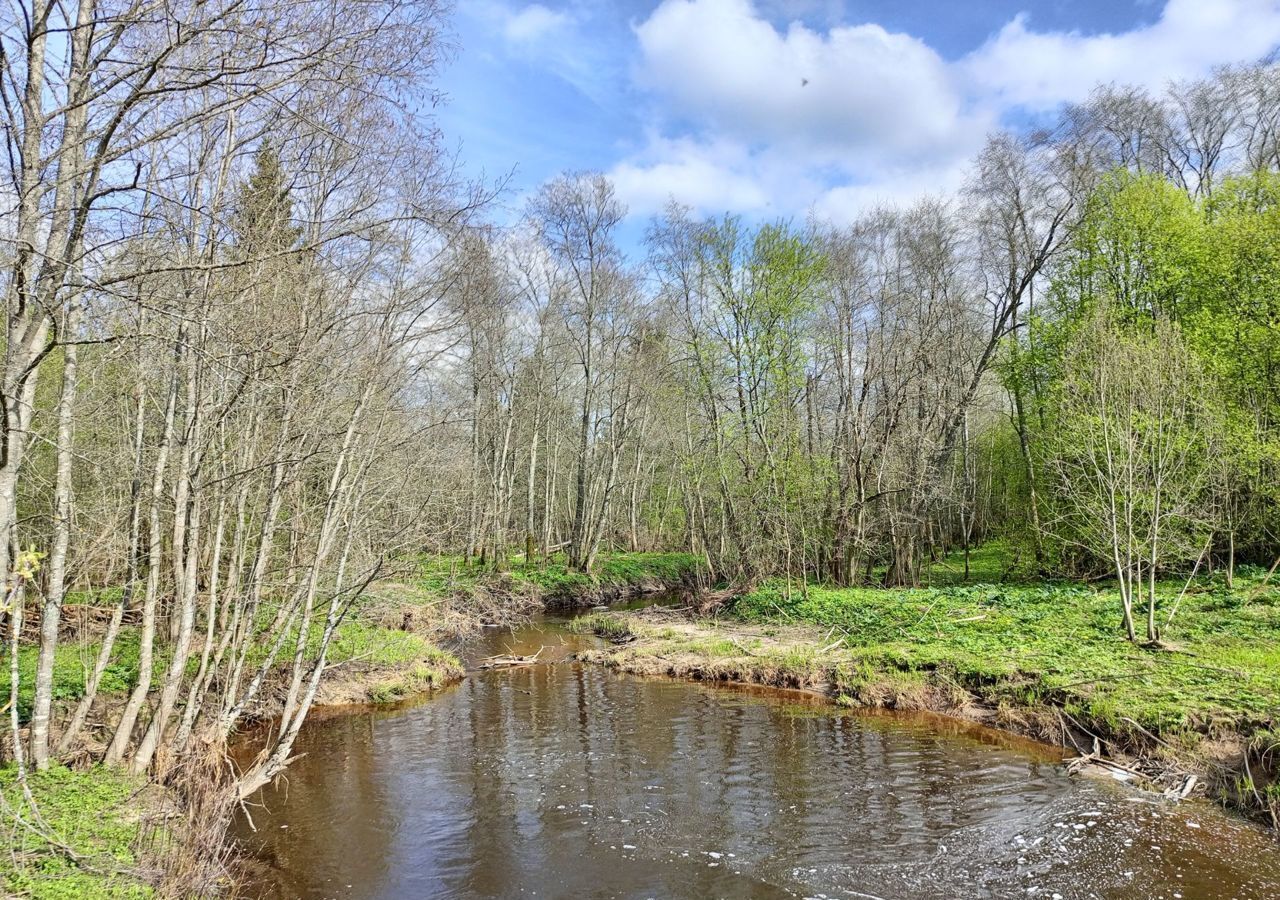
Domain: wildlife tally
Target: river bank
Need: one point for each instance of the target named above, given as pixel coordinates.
(1043, 661)
(404, 637)
(107, 834)
(559, 778)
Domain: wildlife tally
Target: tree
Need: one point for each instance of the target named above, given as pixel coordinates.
(577, 216)
(1133, 455)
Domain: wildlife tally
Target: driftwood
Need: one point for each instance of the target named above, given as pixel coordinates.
(506, 660)
(1183, 785)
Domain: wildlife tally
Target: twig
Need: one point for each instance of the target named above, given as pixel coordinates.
(1257, 590)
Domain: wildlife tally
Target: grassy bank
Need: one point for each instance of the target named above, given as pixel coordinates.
(1047, 660)
(439, 580)
(390, 644)
(389, 647)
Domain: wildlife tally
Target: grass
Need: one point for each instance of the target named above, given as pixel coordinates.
(1027, 643)
(361, 638)
(995, 562)
(1028, 656)
(606, 625)
(71, 667)
(360, 641)
(1011, 642)
(95, 814)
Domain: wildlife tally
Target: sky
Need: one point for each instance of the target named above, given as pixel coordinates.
(783, 108)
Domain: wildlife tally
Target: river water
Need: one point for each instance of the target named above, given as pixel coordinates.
(560, 780)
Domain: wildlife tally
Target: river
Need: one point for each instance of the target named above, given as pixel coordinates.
(560, 780)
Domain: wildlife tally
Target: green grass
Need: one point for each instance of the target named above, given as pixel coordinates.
(94, 813)
(72, 664)
(355, 641)
(358, 639)
(602, 623)
(995, 562)
(1061, 642)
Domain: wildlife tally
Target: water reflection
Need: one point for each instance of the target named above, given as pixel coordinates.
(564, 781)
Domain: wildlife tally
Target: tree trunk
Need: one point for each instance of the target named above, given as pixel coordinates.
(51, 616)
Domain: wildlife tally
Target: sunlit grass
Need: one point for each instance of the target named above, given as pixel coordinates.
(1060, 642)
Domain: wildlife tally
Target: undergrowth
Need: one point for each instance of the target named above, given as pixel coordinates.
(93, 813)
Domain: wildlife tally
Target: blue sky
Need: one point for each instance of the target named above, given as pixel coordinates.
(779, 108)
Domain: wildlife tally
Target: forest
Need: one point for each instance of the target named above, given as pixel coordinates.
(267, 351)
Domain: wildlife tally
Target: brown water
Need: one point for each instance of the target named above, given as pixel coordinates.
(561, 781)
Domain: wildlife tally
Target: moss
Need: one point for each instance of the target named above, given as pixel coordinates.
(92, 812)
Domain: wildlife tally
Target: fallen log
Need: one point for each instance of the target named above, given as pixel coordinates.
(506, 660)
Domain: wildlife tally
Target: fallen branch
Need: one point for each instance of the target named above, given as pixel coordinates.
(502, 660)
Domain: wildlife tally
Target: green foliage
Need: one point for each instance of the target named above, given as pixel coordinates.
(995, 562)
(437, 576)
(1140, 248)
(377, 646)
(636, 568)
(95, 813)
(264, 210)
(1149, 260)
(357, 640)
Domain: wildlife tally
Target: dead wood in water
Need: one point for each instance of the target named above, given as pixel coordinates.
(506, 660)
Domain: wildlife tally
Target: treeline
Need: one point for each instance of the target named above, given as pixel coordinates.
(1077, 353)
(223, 225)
(262, 350)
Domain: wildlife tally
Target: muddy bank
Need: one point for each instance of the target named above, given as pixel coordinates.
(579, 597)
(1237, 769)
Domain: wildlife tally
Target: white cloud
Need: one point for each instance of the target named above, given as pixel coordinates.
(533, 24)
(710, 177)
(1019, 67)
(850, 90)
(778, 122)
(755, 118)
(559, 40)
(843, 203)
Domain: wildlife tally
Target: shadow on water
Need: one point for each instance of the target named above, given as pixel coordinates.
(559, 780)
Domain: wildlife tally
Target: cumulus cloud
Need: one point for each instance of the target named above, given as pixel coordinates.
(843, 203)
(1019, 67)
(771, 120)
(750, 116)
(711, 176)
(851, 89)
